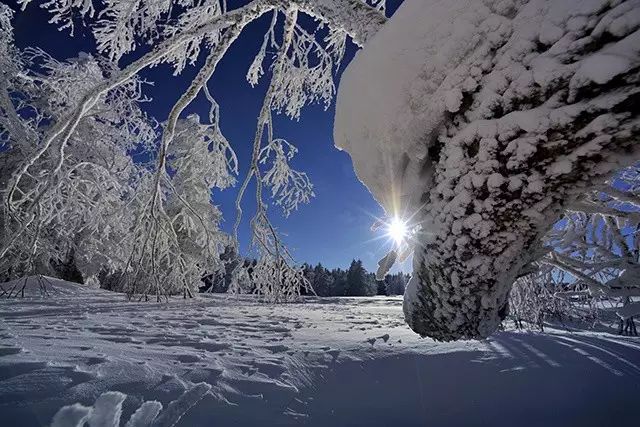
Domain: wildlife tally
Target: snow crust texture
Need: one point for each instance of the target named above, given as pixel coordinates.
(84, 356)
(488, 117)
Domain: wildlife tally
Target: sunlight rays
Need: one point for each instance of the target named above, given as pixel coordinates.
(397, 230)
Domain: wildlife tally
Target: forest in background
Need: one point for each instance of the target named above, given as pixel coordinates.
(337, 282)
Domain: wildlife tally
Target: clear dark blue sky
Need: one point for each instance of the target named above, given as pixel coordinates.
(334, 227)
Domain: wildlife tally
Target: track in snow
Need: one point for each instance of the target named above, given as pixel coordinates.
(349, 361)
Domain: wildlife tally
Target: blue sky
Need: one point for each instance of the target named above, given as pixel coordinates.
(335, 227)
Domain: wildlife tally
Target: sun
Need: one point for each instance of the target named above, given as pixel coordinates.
(397, 229)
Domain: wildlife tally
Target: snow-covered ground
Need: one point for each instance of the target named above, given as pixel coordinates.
(328, 362)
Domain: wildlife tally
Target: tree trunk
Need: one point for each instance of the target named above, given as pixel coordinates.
(532, 153)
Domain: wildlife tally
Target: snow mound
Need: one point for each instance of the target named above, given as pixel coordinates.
(488, 117)
(40, 286)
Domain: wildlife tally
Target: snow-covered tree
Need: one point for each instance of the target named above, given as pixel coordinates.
(87, 200)
(483, 121)
(322, 280)
(301, 72)
(176, 236)
(84, 214)
(220, 280)
(395, 283)
(359, 282)
(547, 296)
(597, 243)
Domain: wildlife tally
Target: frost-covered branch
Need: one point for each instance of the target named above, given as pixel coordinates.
(157, 236)
(289, 187)
(62, 130)
(179, 31)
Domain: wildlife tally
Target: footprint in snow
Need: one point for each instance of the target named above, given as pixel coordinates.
(277, 348)
(188, 358)
(334, 354)
(372, 341)
(6, 351)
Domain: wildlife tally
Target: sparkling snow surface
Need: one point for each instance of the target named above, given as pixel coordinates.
(328, 362)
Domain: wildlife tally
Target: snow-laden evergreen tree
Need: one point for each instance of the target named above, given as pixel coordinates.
(220, 280)
(323, 281)
(359, 282)
(395, 283)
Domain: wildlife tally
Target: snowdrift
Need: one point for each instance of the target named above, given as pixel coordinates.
(488, 118)
(39, 286)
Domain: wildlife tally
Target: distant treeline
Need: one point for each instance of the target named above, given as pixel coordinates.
(355, 281)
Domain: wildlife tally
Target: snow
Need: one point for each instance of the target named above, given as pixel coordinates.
(390, 98)
(501, 110)
(145, 414)
(86, 354)
(74, 415)
(615, 59)
(385, 264)
(39, 286)
(107, 409)
(453, 100)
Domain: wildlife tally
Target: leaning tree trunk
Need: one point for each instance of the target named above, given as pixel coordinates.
(515, 109)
